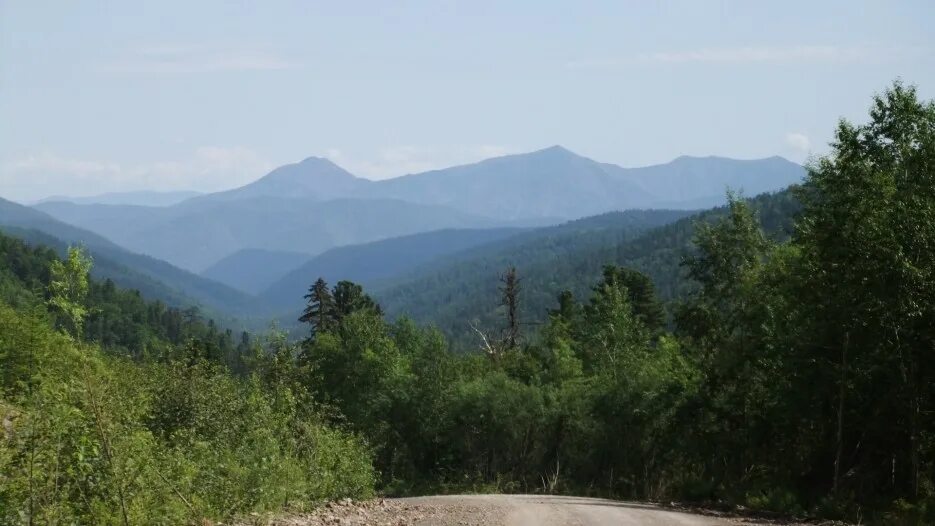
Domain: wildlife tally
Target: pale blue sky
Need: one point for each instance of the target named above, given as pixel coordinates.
(125, 95)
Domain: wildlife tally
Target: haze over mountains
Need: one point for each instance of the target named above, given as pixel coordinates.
(252, 251)
(315, 205)
(155, 279)
(141, 198)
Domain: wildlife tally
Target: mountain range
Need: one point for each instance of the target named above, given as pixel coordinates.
(428, 245)
(314, 205)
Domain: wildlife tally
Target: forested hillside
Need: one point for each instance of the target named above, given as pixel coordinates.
(154, 278)
(456, 292)
(376, 262)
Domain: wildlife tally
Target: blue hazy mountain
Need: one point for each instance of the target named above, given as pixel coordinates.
(196, 235)
(154, 278)
(314, 178)
(252, 270)
(314, 205)
(557, 183)
(142, 198)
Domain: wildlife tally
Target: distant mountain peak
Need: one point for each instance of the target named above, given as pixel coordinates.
(556, 150)
(310, 167)
(313, 177)
(317, 160)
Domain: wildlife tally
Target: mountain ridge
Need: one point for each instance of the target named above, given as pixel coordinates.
(155, 278)
(315, 205)
(368, 263)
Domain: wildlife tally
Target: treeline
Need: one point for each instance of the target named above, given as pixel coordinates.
(799, 376)
(119, 411)
(119, 320)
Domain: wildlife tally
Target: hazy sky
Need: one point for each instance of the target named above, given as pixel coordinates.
(126, 95)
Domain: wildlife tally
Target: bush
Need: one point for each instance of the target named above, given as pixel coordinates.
(90, 439)
(779, 500)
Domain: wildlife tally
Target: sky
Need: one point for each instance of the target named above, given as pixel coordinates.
(102, 96)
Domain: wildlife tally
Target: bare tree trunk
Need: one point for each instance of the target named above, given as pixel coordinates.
(914, 435)
(510, 299)
(842, 393)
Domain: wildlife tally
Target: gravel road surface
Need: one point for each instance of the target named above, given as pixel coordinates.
(503, 510)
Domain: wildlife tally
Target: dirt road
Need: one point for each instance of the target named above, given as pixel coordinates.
(536, 510)
(503, 510)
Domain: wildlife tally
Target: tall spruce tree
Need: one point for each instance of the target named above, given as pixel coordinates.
(319, 311)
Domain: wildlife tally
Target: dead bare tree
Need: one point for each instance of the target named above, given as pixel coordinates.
(509, 298)
(490, 346)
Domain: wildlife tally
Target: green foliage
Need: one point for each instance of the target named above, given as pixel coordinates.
(452, 293)
(68, 288)
(93, 438)
(326, 309)
(121, 321)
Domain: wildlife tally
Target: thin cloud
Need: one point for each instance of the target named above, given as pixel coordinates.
(798, 142)
(753, 55)
(208, 168)
(798, 146)
(759, 54)
(179, 59)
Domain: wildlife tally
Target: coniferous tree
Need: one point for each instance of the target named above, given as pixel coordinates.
(320, 309)
(641, 293)
(349, 297)
(567, 308)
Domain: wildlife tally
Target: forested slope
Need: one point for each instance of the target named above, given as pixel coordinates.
(379, 261)
(454, 293)
(156, 279)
